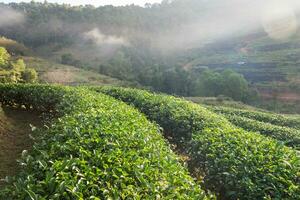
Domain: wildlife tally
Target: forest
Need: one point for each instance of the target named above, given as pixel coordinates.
(119, 42)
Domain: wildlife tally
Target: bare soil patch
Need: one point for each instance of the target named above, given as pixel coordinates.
(14, 138)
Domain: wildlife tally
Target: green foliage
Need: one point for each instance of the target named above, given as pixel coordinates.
(18, 65)
(272, 118)
(68, 59)
(29, 76)
(290, 136)
(234, 163)
(4, 57)
(58, 28)
(13, 47)
(118, 66)
(228, 83)
(98, 148)
(14, 71)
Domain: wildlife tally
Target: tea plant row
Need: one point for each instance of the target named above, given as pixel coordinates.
(272, 118)
(98, 148)
(289, 136)
(235, 163)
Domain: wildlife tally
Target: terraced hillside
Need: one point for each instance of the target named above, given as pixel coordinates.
(234, 163)
(285, 128)
(100, 148)
(271, 66)
(281, 127)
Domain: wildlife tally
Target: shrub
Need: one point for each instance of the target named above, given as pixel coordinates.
(272, 118)
(235, 163)
(289, 136)
(99, 148)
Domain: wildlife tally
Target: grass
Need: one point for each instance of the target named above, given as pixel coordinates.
(51, 72)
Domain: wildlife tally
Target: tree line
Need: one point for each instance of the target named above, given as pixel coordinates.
(55, 27)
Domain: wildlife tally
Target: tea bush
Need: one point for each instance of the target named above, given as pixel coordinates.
(272, 118)
(236, 164)
(98, 148)
(289, 136)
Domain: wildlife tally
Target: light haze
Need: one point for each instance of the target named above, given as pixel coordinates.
(92, 2)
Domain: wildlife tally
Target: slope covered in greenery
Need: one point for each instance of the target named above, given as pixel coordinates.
(167, 47)
(99, 148)
(234, 163)
(47, 71)
(53, 72)
(132, 43)
(291, 121)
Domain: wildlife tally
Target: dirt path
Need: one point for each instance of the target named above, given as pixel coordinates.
(14, 138)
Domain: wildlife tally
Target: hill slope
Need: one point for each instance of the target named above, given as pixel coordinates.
(52, 72)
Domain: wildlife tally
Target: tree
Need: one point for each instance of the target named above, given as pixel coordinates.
(235, 85)
(15, 71)
(29, 76)
(210, 83)
(4, 57)
(18, 65)
(228, 83)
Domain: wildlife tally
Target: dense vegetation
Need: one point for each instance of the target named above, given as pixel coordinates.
(290, 136)
(70, 35)
(99, 148)
(161, 46)
(14, 71)
(276, 119)
(94, 146)
(234, 163)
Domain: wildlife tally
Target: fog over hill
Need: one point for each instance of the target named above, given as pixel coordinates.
(173, 24)
(184, 37)
(92, 2)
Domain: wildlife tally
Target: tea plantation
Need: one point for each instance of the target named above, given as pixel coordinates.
(108, 143)
(98, 148)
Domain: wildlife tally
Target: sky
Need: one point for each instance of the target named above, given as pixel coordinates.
(93, 2)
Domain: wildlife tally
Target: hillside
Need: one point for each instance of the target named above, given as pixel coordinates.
(271, 66)
(167, 46)
(103, 139)
(183, 99)
(53, 72)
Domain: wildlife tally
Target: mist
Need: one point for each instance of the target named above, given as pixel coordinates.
(99, 38)
(176, 25)
(10, 17)
(225, 19)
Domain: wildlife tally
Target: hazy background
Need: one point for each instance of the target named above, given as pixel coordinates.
(93, 2)
(169, 45)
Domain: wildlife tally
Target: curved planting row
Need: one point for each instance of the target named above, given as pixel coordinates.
(99, 148)
(290, 136)
(272, 118)
(236, 164)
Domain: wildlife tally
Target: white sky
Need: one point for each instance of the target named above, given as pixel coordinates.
(93, 2)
